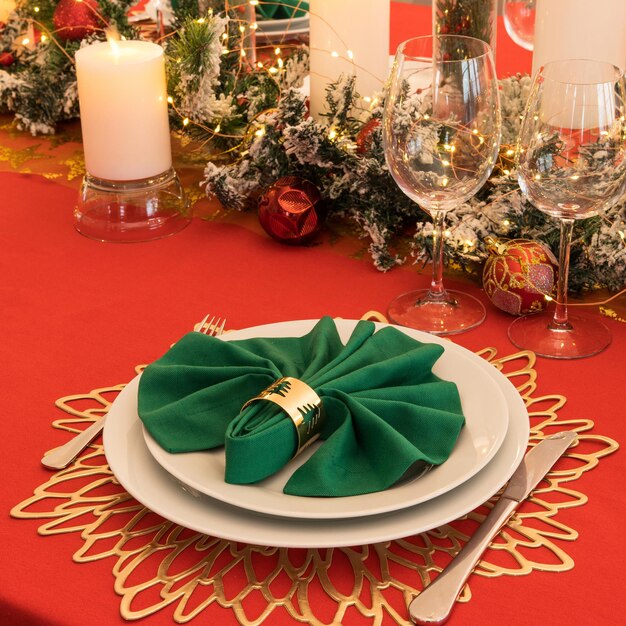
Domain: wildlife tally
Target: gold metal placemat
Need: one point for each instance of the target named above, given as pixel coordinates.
(159, 564)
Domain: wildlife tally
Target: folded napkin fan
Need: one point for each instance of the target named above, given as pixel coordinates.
(283, 10)
(386, 413)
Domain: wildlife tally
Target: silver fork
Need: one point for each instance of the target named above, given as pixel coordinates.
(213, 327)
(61, 457)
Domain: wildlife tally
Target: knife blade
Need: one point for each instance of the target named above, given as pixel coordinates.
(434, 604)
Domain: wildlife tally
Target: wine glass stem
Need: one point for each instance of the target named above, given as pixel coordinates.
(437, 291)
(559, 320)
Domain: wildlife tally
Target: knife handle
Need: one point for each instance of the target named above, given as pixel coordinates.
(61, 457)
(434, 604)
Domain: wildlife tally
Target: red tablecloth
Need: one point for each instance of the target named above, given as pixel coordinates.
(77, 315)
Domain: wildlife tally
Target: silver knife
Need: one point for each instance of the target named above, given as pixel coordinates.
(61, 457)
(434, 604)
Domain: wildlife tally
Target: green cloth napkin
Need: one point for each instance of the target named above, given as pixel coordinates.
(387, 414)
(294, 8)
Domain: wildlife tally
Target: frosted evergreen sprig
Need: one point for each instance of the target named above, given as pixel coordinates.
(39, 87)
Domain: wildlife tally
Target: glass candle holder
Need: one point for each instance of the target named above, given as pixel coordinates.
(131, 211)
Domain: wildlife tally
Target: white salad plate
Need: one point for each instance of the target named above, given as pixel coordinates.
(140, 474)
(487, 420)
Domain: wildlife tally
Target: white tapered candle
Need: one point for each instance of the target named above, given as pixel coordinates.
(348, 37)
(580, 29)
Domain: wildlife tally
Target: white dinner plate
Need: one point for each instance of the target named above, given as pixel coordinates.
(277, 30)
(487, 420)
(286, 25)
(150, 484)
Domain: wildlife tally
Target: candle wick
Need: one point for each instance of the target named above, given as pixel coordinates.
(113, 36)
(111, 32)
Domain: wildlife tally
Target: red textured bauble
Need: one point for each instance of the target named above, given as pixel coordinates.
(292, 211)
(74, 20)
(6, 59)
(364, 136)
(518, 274)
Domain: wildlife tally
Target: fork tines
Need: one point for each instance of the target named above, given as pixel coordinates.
(212, 327)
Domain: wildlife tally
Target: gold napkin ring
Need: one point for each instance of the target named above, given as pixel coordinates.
(302, 405)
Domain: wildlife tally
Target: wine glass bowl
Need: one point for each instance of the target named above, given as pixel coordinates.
(571, 166)
(441, 135)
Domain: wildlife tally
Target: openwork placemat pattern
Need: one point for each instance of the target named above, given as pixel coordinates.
(159, 564)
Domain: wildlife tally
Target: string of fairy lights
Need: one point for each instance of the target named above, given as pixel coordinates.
(273, 65)
(271, 59)
(247, 61)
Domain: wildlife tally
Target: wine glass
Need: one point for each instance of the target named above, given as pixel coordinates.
(571, 165)
(519, 21)
(441, 134)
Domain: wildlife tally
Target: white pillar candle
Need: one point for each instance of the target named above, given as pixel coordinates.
(6, 8)
(348, 37)
(123, 109)
(580, 29)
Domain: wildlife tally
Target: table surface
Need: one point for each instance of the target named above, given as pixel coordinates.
(79, 315)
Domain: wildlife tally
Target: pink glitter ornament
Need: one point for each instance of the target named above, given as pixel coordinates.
(518, 274)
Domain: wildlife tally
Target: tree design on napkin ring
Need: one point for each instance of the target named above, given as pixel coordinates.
(302, 405)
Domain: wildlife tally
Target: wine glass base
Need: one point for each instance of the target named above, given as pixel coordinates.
(458, 313)
(587, 336)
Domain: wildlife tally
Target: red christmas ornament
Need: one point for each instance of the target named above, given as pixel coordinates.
(364, 136)
(291, 210)
(518, 275)
(74, 19)
(6, 59)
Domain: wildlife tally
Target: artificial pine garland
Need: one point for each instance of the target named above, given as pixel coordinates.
(255, 123)
(38, 82)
